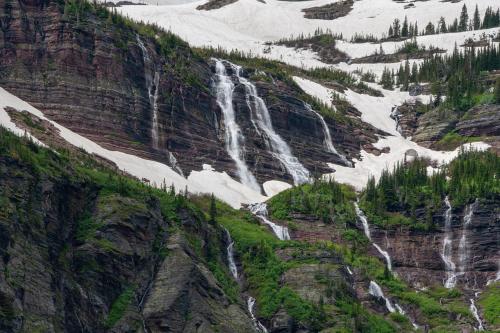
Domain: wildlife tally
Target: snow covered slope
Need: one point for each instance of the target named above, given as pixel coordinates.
(205, 181)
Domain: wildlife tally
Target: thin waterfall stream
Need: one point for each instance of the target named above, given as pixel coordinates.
(328, 137)
(260, 210)
(364, 221)
(463, 247)
(230, 255)
(447, 252)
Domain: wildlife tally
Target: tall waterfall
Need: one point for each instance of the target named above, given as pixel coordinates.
(447, 253)
(366, 228)
(262, 121)
(463, 246)
(475, 313)
(230, 256)
(260, 210)
(234, 138)
(328, 137)
(152, 76)
(258, 326)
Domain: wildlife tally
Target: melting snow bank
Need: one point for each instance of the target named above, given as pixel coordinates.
(205, 181)
(260, 210)
(258, 326)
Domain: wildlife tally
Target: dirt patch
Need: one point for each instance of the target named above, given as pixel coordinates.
(329, 12)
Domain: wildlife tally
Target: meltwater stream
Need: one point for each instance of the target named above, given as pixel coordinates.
(152, 76)
(447, 252)
(328, 137)
(366, 228)
(233, 136)
(262, 121)
(475, 313)
(258, 326)
(230, 256)
(260, 210)
(463, 246)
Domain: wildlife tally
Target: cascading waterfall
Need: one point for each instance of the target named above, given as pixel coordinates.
(447, 253)
(234, 138)
(262, 121)
(463, 247)
(328, 137)
(152, 82)
(260, 210)
(258, 326)
(475, 313)
(366, 228)
(230, 256)
(377, 292)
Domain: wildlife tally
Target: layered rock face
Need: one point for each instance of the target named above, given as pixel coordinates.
(79, 259)
(417, 256)
(112, 85)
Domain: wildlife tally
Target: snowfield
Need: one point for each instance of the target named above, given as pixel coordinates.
(204, 181)
(377, 112)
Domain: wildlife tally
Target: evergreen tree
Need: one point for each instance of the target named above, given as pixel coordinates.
(404, 29)
(213, 209)
(476, 21)
(396, 26)
(442, 28)
(430, 29)
(464, 19)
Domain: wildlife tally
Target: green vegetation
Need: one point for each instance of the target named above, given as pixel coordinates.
(490, 304)
(408, 187)
(119, 307)
(330, 201)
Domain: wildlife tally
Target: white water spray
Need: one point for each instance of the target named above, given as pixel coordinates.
(377, 292)
(366, 228)
(328, 137)
(258, 326)
(152, 83)
(262, 121)
(260, 210)
(234, 137)
(497, 277)
(447, 253)
(475, 313)
(230, 256)
(463, 247)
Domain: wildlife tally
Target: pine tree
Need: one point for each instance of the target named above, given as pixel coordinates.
(442, 28)
(476, 21)
(213, 209)
(396, 28)
(404, 29)
(464, 19)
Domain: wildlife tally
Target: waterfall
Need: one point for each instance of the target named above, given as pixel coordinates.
(366, 229)
(328, 137)
(230, 255)
(224, 87)
(385, 254)
(260, 210)
(377, 292)
(463, 247)
(475, 313)
(152, 83)
(447, 253)
(258, 326)
(348, 270)
(262, 122)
